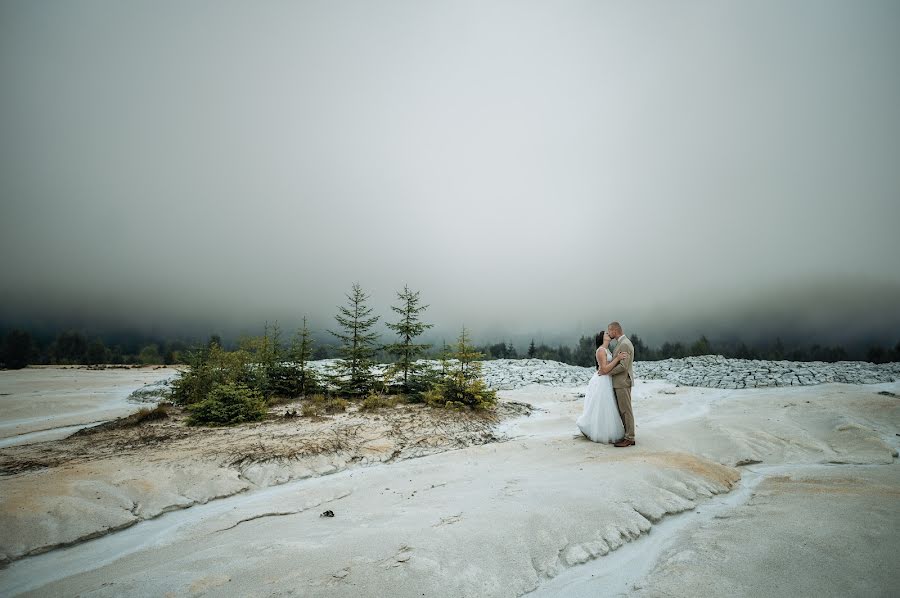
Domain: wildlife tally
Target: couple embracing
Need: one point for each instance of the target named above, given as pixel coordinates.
(607, 415)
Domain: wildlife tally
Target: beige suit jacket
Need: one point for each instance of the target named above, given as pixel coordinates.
(623, 374)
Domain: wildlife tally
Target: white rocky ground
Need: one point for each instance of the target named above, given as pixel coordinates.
(710, 371)
(715, 371)
(45, 403)
(774, 485)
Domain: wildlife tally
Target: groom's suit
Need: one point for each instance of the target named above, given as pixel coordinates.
(622, 380)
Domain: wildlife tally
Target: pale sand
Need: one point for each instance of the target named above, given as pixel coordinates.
(502, 519)
(114, 475)
(36, 401)
(810, 531)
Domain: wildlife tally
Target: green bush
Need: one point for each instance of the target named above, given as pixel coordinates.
(209, 367)
(287, 381)
(434, 397)
(228, 404)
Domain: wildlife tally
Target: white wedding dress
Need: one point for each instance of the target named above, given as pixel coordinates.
(600, 420)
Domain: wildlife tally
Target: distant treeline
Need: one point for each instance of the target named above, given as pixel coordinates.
(583, 352)
(20, 348)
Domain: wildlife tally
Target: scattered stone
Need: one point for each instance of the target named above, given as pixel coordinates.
(710, 371)
(153, 392)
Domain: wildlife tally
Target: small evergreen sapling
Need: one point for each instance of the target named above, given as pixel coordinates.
(462, 385)
(352, 373)
(301, 355)
(407, 351)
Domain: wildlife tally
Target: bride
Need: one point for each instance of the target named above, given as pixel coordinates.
(600, 420)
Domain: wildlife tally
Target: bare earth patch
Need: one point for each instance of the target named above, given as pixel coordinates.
(111, 476)
(760, 492)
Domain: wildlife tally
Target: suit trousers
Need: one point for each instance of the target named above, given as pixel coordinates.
(623, 401)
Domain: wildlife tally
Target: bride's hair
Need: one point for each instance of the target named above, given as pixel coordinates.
(598, 340)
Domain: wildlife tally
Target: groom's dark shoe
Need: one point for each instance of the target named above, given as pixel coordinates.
(625, 442)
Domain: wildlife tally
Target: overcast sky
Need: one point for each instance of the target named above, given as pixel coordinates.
(531, 167)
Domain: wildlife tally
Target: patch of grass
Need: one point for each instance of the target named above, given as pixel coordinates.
(336, 405)
(146, 414)
(378, 401)
(317, 404)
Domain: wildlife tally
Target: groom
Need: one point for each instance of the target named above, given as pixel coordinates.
(622, 380)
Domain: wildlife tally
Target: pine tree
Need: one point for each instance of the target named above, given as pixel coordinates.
(531, 350)
(439, 375)
(353, 372)
(301, 354)
(408, 328)
(266, 373)
(463, 386)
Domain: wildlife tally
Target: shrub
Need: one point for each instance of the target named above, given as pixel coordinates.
(209, 367)
(434, 398)
(228, 404)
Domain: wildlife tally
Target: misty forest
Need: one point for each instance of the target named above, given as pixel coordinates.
(21, 347)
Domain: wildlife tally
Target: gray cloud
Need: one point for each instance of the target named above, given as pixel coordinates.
(529, 166)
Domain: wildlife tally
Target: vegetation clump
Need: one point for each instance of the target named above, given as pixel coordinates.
(223, 387)
(209, 367)
(305, 380)
(378, 401)
(228, 404)
(146, 414)
(319, 404)
(460, 384)
(352, 374)
(410, 371)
